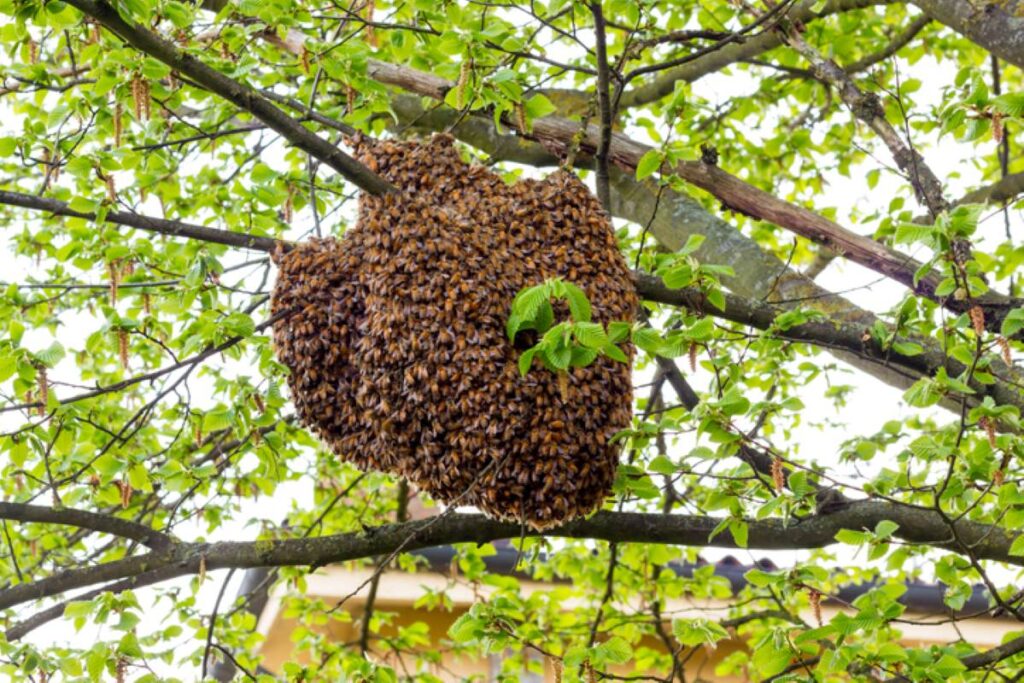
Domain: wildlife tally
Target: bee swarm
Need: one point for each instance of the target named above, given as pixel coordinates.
(397, 347)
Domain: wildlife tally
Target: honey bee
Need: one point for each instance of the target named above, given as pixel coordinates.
(398, 355)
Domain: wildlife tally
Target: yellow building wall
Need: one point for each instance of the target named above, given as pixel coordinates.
(398, 592)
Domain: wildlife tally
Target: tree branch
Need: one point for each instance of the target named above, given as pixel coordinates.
(235, 92)
(916, 525)
(84, 519)
(802, 12)
(1005, 190)
(826, 333)
(737, 195)
(900, 41)
(996, 26)
(868, 108)
(604, 106)
(162, 226)
(191, 361)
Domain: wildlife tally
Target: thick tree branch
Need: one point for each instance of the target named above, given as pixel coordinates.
(826, 333)
(916, 525)
(1004, 190)
(84, 519)
(996, 26)
(235, 92)
(557, 134)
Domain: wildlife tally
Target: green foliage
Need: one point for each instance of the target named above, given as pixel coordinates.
(574, 343)
(115, 402)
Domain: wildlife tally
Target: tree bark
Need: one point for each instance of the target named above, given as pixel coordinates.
(996, 26)
(916, 525)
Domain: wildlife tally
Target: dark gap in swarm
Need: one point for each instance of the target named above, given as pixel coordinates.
(398, 355)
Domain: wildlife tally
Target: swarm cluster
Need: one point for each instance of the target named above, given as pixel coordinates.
(397, 347)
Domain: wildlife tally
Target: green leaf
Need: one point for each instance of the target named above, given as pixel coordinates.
(545, 317)
(927, 448)
(679, 276)
(1009, 104)
(948, 666)
(648, 339)
(616, 650)
(618, 331)
(693, 632)
(1013, 322)
(51, 355)
(907, 348)
(465, 628)
(240, 325)
(559, 357)
(539, 106)
(591, 335)
(579, 304)
(582, 357)
(922, 393)
(885, 528)
(693, 243)
(770, 660)
(908, 233)
(615, 353)
(218, 419)
(851, 537)
(513, 325)
(526, 360)
(716, 298)
(178, 13)
(129, 646)
(661, 465)
(740, 531)
(649, 163)
(701, 330)
(138, 477)
(528, 302)
(96, 663)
